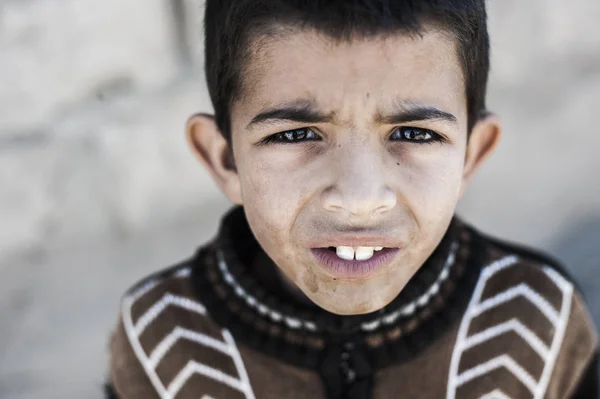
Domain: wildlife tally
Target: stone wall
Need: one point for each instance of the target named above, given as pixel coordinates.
(93, 101)
(545, 84)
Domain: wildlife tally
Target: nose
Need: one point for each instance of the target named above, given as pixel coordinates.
(359, 187)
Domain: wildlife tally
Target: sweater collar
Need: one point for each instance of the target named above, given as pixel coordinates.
(253, 279)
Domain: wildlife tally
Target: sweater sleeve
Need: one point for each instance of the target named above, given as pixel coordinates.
(127, 378)
(588, 385)
(575, 373)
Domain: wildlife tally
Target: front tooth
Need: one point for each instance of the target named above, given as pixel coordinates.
(364, 253)
(378, 248)
(346, 253)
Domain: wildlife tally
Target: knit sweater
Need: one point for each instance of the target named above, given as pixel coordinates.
(480, 319)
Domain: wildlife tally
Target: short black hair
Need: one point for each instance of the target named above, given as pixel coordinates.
(231, 25)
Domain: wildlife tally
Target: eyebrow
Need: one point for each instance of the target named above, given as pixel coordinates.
(302, 111)
(411, 112)
(305, 111)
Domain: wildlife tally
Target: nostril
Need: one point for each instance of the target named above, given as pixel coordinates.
(331, 200)
(359, 203)
(380, 210)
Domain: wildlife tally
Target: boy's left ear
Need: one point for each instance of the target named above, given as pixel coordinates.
(484, 139)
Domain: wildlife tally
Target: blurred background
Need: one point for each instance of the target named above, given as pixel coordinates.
(98, 189)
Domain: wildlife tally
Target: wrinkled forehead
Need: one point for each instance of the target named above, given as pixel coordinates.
(352, 77)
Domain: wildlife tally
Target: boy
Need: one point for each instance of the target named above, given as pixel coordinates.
(348, 131)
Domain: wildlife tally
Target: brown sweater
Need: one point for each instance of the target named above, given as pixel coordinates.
(480, 319)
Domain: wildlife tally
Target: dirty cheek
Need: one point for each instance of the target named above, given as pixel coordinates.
(310, 281)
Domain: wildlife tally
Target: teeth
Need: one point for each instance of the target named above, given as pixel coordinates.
(364, 253)
(359, 253)
(346, 253)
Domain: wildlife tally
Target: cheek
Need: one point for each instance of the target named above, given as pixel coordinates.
(280, 180)
(430, 182)
(274, 191)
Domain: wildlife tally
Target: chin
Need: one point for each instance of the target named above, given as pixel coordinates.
(357, 306)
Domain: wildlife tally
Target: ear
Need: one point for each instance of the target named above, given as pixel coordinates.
(484, 139)
(214, 152)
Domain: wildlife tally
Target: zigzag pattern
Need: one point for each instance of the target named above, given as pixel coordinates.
(512, 325)
(557, 317)
(183, 333)
(150, 361)
(493, 364)
(514, 292)
(167, 300)
(496, 394)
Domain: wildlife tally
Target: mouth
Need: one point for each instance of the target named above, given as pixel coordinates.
(354, 262)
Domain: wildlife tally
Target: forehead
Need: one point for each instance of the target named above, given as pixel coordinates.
(355, 77)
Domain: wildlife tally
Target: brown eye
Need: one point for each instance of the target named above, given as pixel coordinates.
(414, 134)
(293, 136)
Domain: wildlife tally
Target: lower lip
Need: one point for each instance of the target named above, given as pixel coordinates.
(354, 269)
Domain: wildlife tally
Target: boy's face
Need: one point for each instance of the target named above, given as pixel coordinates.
(354, 174)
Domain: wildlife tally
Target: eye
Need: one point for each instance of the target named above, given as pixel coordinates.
(415, 134)
(292, 136)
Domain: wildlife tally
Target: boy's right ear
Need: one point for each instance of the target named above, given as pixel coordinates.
(213, 151)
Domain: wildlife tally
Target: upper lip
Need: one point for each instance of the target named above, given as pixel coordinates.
(355, 240)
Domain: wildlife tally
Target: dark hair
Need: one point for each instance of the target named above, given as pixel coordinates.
(231, 25)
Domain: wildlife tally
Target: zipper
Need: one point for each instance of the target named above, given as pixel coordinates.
(346, 366)
(346, 372)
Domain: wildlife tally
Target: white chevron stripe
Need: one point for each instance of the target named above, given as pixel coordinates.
(559, 280)
(241, 384)
(496, 394)
(239, 364)
(463, 329)
(148, 285)
(514, 292)
(559, 319)
(498, 266)
(137, 346)
(192, 368)
(183, 273)
(143, 290)
(501, 361)
(183, 333)
(167, 300)
(512, 325)
(149, 364)
(565, 311)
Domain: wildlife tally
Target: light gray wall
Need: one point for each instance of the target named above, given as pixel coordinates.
(98, 189)
(545, 85)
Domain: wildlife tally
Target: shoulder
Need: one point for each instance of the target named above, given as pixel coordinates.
(157, 314)
(516, 272)
(527, 315)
